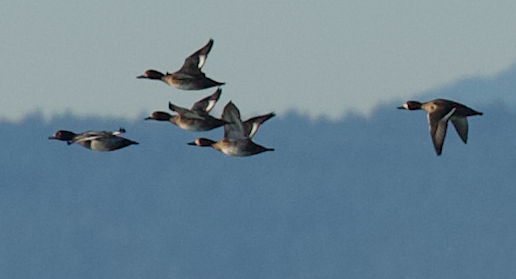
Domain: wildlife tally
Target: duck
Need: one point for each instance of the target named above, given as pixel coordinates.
(95, 140)
(439, 112)
(237, 140)
(196, 119)
(190, 76)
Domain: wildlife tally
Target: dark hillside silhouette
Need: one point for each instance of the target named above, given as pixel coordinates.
(357, 198)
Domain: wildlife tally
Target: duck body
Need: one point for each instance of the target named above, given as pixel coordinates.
(105, 143)
(189, 81)
(188, 124)
(441, 107)
(233, 148)
(197, 125)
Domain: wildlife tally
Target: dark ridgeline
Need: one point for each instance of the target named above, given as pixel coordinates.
(357, 198)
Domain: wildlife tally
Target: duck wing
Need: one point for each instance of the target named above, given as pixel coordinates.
(184, 112)
(206, 105)
(235, 129)
(193, 63)
(119, 132)
(461, 125)
(438, 126)
(251, 125)
(92, 135)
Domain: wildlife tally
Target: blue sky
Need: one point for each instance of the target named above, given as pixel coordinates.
(321, 59)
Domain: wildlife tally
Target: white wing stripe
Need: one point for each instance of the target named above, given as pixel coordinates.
(211, 104)
(202, 60)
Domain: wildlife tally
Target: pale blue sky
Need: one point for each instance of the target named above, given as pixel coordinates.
(319, 58)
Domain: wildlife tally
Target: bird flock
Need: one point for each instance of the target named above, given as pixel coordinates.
(238, 134)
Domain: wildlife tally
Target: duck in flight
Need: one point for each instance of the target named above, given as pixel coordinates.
(439, 112)
(196, 119)
(237, 140)
(190, 76)
(95, 140)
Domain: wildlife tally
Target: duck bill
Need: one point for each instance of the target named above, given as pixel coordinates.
(192, 143)
(401, 107)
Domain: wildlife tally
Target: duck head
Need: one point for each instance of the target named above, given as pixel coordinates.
(202, 142)
(63, 135)
(411, 105)
(159, 116)
(151, 74)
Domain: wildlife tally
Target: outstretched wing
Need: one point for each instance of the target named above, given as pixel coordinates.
(193, 63)
(235, 129)
(461, 125)
(206, 105)
(438, 127)
(183, 112)
(251, 125)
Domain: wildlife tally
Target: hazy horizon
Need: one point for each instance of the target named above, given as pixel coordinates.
(322, 60)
